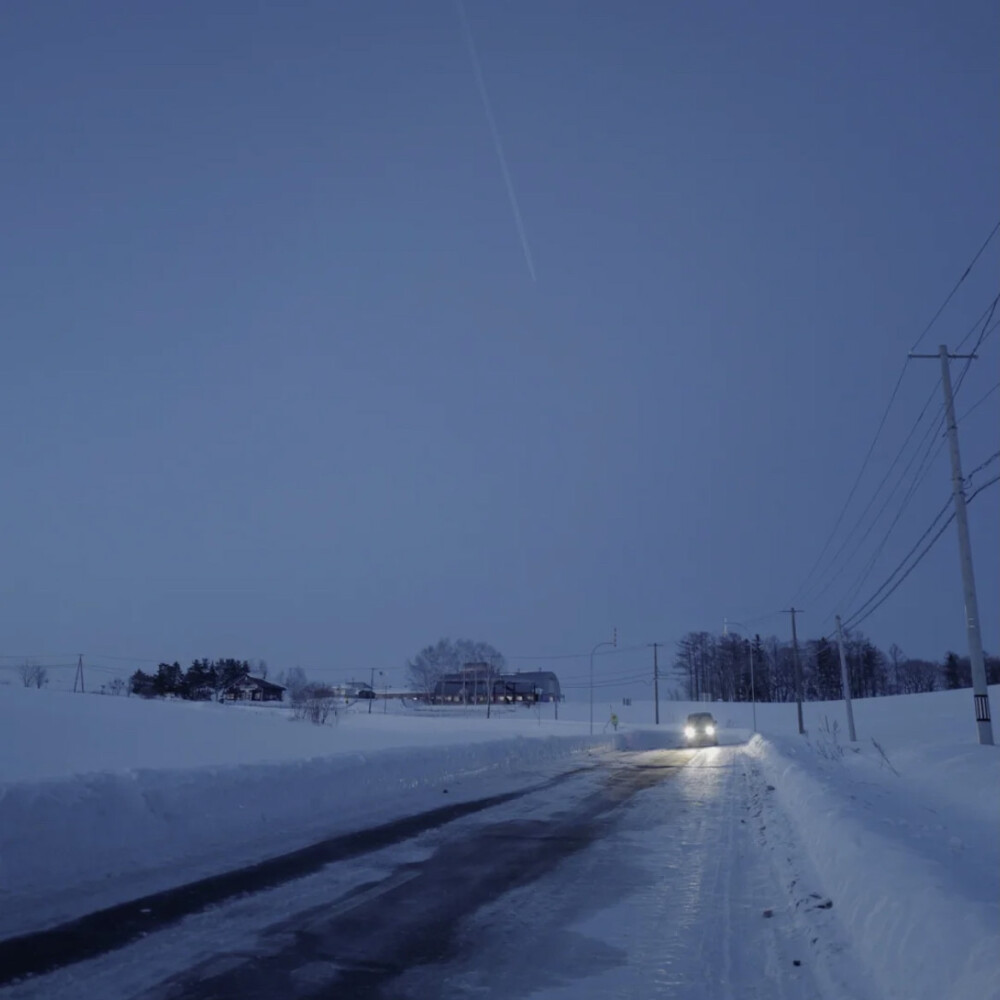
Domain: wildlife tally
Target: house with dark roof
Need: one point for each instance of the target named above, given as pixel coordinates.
(253, 689)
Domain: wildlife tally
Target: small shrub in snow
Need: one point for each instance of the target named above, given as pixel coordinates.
(315, 703)
(828, 740)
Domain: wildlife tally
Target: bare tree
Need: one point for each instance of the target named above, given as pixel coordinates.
(896, 661)
(32, 674)
(315, 702)
(448, 657)
(295, 681)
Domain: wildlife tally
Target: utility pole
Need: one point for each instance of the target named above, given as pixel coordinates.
(489, 685)
(981, 697)
(614, 642)
(656, 679)
(78, 679)
(798, 667)
(372, 686)
(846, 681)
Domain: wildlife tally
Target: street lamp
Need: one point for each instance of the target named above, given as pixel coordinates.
(594, 650)
(753, 694)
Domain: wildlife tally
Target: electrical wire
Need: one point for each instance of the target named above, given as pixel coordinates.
(816, 596)
(853, 617)
(989, 482)
(981, 466)
(958, 284)
(617, 651)
(918, 480)
(982, 399)
(892, 397)
(982, 323)
(857, 482)
(857, 617)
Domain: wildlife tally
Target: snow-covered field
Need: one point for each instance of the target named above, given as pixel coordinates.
(104, 799)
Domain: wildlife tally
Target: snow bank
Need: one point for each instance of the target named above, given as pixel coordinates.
(108, 799)
(51, 734)
(910, 859)
(72, 845)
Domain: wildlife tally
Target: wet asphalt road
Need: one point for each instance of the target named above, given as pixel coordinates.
(359, 946)
(106, 930)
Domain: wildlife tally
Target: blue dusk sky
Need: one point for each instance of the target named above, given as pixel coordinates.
(289, 370)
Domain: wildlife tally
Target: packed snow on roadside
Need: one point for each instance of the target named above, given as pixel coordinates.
(107, 798)
(903, 829)
(104, 798)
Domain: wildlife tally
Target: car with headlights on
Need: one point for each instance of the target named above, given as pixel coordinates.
(701, 730)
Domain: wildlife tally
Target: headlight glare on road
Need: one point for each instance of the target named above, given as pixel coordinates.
(689, 732)
(709, 730)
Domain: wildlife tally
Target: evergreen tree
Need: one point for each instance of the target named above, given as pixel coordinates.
(199, 681)
(952, 672)
(142, 684)
(169, 679)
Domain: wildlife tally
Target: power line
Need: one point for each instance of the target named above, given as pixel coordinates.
(944, 510)
(857, 618)
(919, 477)
(981, 466)
(929, 461)
(854, 622)
(864, 465)
(986, 331)
(982, 399)
(986, 485)
(854, 488)
(982, 324)
(816, 596)
(958, 284)
(579, 656)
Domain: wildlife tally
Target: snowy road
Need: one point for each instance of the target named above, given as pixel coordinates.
(648, 875)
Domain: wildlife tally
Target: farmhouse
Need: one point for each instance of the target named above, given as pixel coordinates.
(476, 683)
(254, 689)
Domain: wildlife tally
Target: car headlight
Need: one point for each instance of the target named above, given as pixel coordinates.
(709, 730)
(689, 732)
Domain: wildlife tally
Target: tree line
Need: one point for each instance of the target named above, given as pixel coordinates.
(717, 668)
(202, 681)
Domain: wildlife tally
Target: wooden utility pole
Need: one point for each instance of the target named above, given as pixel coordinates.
(78, 679)
(981, 696)
(798, 667)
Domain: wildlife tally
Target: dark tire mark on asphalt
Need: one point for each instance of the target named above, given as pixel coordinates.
(359, 945)
(116, 926)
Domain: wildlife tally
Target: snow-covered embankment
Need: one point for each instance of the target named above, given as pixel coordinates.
(906, 846)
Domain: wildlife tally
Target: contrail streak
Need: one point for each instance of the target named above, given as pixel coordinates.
(501, 156)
